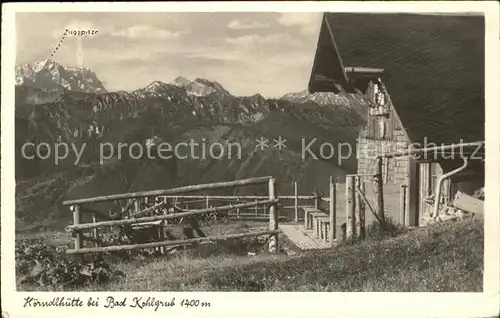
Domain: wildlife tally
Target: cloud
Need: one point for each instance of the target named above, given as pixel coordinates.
(308, 22)
(246, 25)
(273, 40)
(145, 31)
(216, 54)
(267, 53)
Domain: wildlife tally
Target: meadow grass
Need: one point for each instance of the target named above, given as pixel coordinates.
(447, 257)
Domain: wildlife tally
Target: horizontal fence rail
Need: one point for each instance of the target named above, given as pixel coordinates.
(86, 226)
(236, 197)
(185, 189)
(169, 243)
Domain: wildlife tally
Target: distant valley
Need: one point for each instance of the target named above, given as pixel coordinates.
(59, 104)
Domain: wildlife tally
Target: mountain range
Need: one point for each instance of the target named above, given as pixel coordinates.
(57, 104)
(51, 75)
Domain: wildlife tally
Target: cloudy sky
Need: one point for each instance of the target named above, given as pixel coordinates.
(248, 53)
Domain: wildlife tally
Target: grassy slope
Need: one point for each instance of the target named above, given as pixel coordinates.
(447, 258)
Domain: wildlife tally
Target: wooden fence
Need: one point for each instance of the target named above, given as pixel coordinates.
(132, 214)
(258, 212)
(156, 209)
(357, 202)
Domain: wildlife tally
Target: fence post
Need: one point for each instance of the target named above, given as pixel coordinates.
(96, 230)
(362, 214)
(296, 202)
(137, 206)
(76, 220)
(316, 201)
(332, 234)
(207, 205)
(161, 237)
(273, 217)
(357, 206)
(402, 204)
(306, 220)
(349, 207)
(379, 192)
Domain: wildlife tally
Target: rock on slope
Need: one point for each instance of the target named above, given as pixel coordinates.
(344, 99)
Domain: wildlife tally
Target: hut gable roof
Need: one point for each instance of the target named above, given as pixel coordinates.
(435, 66)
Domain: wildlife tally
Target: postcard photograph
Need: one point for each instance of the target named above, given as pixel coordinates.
(324, 151)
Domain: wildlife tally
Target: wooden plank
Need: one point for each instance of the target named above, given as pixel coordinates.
(191, 188)
(316, 221)
(296, 201)
(137, 207)
(465, 202)
(303, 239)
(235, 197)
(325, 218)
(168, 243)
(321, 229)
(332, 207)
(96, 231)
(318, 214)
(273, 217)
(78, 242)
(422, 170)
(379, 192)
(307, 216)
(411, 217)
(402, 204)
(362, 211)
(357, 206)
(150, 224)
(161, 237)
(349, 206)
(311, 209)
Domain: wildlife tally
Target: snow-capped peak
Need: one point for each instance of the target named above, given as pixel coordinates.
(321, 98)
(155, 86)
(200, 86)
(49, 74)
(181, 81)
